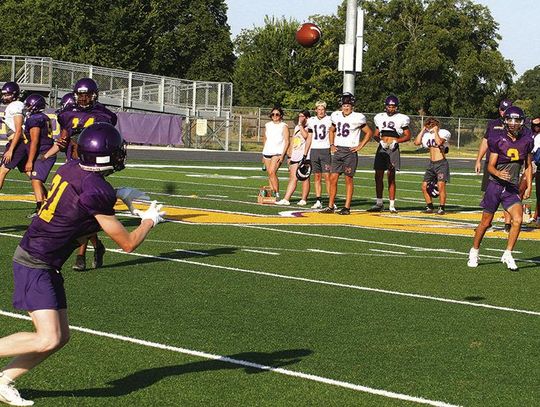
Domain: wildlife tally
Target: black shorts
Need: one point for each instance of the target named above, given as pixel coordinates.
(344, 161)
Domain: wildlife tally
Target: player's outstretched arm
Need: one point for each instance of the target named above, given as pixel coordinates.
(129, 241)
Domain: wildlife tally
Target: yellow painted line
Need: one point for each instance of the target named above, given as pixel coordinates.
(454, 224)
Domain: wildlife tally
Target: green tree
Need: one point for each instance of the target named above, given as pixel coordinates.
(526, 92)
(178, 38)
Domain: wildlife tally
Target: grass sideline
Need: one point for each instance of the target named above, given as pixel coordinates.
(344, 315)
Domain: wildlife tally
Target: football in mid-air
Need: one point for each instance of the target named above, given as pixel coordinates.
(308, 34)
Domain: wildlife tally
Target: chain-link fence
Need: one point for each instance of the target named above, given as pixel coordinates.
(243, 131)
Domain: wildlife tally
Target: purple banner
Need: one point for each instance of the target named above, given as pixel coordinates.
(153, 129)
(140, 128)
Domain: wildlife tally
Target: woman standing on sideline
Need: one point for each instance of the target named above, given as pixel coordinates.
(298, 151)
(276, 143)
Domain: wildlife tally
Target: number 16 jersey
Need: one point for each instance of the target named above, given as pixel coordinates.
(348, 128)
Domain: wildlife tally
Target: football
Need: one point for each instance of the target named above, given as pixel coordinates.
(308, 34)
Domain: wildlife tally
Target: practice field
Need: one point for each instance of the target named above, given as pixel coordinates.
(231, 303)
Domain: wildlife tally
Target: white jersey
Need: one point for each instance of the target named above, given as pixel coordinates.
(274, 138)
(392, 126)
(15, 108)
(536, 142)
(319, 128)
(348, 128)
(428, 138)
(298, 143)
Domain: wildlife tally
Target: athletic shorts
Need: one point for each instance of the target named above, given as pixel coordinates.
(387, 159)
(321, 160)
(437, 171)
(37, 289)
(19, 158)
(497, 194)
(344, 161)
(41, 169)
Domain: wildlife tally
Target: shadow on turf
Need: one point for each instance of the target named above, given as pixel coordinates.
(147, 377)
(14, 228)
(174, 255)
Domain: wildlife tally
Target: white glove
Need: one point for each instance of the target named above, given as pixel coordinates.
(154, 213)
(128, 195)
(383, 145)
(393, 145)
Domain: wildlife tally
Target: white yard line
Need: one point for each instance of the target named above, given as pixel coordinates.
(246, 363)
(261, 252)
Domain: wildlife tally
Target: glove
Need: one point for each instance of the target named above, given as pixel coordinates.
(393, 145)
(383, 145)
(154, 213)
(128, 195)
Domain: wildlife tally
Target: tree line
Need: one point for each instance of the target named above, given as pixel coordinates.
(440, 57)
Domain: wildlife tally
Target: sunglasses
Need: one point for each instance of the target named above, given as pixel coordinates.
(275, 114)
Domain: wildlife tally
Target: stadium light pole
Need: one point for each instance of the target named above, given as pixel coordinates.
(350, 53)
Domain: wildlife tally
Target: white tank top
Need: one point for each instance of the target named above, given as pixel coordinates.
(274, 138)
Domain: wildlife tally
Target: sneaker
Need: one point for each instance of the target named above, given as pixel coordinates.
(473, 258)
(301, 202)
(10, 395)
(376, 208)
(80, 263)
(393, 210)
(428, 210)
(99, 252)
(317, 205)
(344, 211)
(283, 202)
(327, 210)
(441, 211)
(509, 261)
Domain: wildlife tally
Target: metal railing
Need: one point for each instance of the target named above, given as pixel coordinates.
(124, 89)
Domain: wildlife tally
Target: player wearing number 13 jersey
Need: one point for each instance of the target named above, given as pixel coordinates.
(347, 126)
(508, 155)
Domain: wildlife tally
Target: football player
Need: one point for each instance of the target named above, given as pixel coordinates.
(509, 153)
(38, 140)
(15, 153)
(319, 127)
(80, 202)
(86, 112)
(435, 139)
(392, 128)
(347, 126)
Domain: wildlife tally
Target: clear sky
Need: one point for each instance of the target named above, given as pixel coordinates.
(518, 25)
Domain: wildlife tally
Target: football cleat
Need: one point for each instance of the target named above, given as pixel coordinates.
(376, 208)
(328, 209)
(473, 258)
(428, 210)
(441, 211)
(317, 205)
(393, 210)
(344, 211)
(509, 261)
(10, 395)
(80, 263)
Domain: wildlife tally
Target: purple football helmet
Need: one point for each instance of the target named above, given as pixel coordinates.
(505, 104)
(304, 170)
(514, 118)
(391, 101)
(432, 189)
(67, 102)
(34, 103)
(347, 98)
(10, 92)
(101, 148)
(86, 92)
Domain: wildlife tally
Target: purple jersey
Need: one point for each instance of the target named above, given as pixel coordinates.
(76, 196)
(41, 121)
(511, 154)
(495, 129)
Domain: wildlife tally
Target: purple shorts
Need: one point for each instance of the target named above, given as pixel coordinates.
(41, 169)
(497, 194)
(37, 289)
(19, 157)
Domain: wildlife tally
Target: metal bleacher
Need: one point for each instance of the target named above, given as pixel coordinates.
(129, 91)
